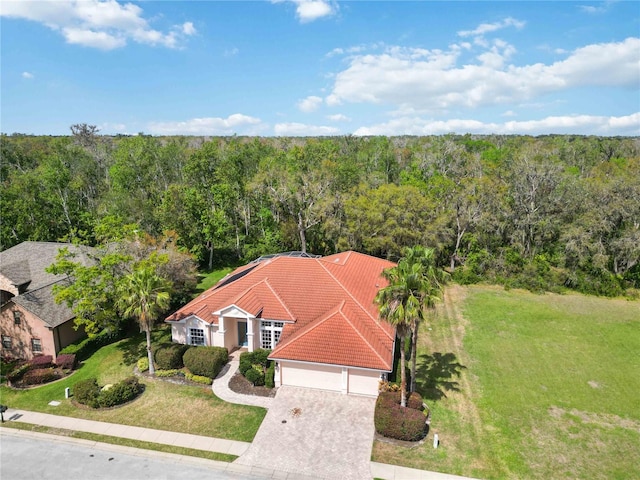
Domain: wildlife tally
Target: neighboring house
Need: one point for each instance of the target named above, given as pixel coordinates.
(31, 322)
(316, 314)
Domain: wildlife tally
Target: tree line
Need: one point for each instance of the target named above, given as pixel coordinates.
(543, 213)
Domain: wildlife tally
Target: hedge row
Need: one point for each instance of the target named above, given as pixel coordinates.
(38, 376)
(402, 423)
(44, 365)
(205, 361)
(87, 347)
(168, 356)
(88, 392)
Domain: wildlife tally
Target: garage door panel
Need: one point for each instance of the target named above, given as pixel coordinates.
(364, 382)
(312, 376)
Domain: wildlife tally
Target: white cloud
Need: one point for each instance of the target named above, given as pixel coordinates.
(188, 28)
(231, 52)
(596, 9)
(310, 10)
(433, 80)
(309, 104)
(569, 124)
(338, 118)
(300, 130)
(28, 75)
(102, 24)
(233, 124)
(492, 27)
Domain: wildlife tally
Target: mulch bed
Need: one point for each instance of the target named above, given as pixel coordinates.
(239, 384)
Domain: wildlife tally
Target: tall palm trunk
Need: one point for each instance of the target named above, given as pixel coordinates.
(403, 374)
(152, 370)
(414, 354)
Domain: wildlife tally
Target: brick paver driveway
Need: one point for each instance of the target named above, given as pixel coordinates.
(315, 433)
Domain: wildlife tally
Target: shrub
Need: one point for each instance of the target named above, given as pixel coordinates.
(38, 376)
(198, 379)
(402, 423)
(385, 386)
(66, 361)
(87, 392)
(269, 381)
(41, 361)
(256, 360)
(255, 376)
(17, 373)
(168, 373)
(169, 356)
(121, 392)
(87, 347)
(245, 362)
(206, 361)
(143, 364)
(414, 400)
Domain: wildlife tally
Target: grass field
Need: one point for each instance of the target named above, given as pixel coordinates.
(549, 387)
(163, 406)
(208, 280)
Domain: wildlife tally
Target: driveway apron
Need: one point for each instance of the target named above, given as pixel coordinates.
(315, 433)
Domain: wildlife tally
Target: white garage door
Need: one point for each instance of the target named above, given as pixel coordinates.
(364, 382)
(311, 376)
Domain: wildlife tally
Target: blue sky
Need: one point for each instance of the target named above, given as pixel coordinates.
(314, 67)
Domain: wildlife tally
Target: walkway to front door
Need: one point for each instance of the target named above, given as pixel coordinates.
(315, 433)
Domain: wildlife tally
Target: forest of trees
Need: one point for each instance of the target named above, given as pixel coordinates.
(543, 213)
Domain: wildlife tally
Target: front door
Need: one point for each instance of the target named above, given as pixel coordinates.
(242, 334)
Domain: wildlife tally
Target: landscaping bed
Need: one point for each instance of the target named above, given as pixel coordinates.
(240, 384)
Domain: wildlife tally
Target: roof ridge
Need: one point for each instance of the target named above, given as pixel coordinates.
(40, 287)
(357, 330)
(376, 320)
(310, 326)
(284, 305)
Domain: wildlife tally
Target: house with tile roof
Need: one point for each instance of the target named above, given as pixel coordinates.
(31, 322)
(316, 314)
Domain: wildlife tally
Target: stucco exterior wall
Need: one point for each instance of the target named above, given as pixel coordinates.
(178, 333)
(30, 327)
(66, 334)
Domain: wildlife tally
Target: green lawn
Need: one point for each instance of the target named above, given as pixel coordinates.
(208, 280)
(550, 388)
(163, 406)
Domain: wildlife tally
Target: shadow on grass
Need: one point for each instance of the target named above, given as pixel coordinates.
(135, 347)
(436, 373)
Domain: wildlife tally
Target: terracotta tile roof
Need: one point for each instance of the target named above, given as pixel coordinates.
(329, 300)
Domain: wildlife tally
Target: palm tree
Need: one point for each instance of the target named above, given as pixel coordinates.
(145, 295)
(415, 285)
(399, 307)
(429, 285)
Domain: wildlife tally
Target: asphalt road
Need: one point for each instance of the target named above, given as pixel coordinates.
(43, 459)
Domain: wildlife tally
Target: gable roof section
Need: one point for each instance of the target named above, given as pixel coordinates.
(340, 338)
(329, 300)
(25, 264)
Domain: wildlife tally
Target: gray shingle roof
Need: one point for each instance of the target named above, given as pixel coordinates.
(27, 261)
(41, 303)
(25, 264)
